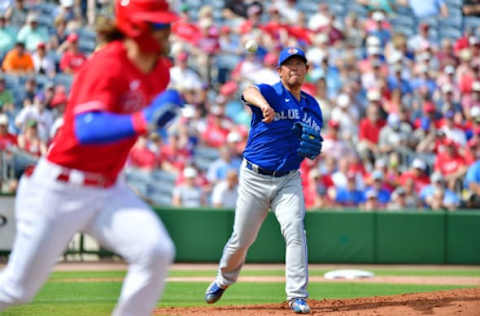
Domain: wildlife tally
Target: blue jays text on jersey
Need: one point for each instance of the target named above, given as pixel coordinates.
(273, 146)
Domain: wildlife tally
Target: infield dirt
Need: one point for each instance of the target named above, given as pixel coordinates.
(464, 302)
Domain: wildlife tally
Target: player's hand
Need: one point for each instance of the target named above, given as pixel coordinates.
(268, 113)
(163, 108)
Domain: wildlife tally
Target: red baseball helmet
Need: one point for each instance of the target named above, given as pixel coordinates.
(133, 18)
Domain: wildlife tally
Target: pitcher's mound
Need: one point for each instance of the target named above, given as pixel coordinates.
(462, 302)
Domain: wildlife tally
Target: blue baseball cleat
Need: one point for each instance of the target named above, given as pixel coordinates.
(299, 306)
(214, 293)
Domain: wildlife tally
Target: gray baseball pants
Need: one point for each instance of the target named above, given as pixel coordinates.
(258, 193)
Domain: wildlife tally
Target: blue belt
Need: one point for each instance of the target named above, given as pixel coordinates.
(260, 170)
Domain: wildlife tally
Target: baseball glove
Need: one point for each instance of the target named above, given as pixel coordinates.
(310, 140)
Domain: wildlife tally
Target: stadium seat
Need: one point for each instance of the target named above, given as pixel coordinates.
(63, 79)
(87, 45)
(471, 22)
(452, 33)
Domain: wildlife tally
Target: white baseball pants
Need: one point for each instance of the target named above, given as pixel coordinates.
(256, 194)
(49, 213)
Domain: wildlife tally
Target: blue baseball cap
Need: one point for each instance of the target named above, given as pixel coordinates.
(288, 52)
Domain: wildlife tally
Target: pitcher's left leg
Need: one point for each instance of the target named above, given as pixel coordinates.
(289, 208)
(131, 229)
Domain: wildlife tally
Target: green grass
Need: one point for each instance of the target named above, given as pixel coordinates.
(58, 276)
(98, 298)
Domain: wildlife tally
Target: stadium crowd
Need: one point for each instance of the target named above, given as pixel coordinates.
(398, 83)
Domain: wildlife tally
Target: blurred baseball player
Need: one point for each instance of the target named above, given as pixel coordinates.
(285, 129)
(116, 96)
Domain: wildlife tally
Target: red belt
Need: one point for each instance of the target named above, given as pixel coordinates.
(89, 179)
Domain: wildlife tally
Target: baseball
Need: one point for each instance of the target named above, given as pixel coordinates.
(251, 46)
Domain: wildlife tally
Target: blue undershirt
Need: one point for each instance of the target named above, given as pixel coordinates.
(103, 127)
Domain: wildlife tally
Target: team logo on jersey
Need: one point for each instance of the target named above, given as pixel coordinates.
(132, 101)
(134, 84)
(124, 3)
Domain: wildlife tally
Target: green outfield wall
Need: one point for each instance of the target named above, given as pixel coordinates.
(336, 236)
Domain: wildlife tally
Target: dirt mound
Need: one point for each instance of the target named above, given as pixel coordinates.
(464, 302)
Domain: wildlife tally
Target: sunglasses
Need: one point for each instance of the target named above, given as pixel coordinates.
(160, 26)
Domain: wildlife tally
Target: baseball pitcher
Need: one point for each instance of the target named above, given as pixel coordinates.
(285, 129)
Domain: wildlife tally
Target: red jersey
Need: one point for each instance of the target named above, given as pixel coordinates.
(107, 82)
(142, 157)
(72, 60)
(447, 164)
(370, 130)
(7, 140)
(420, 181)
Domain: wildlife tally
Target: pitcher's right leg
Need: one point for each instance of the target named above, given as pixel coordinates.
(250, 212)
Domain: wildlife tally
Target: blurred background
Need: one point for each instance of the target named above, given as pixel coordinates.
(398, 83)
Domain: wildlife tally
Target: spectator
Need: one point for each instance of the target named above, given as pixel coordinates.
(472, 181)
(236, 144)
(180, 72)
(29, 91)
(43, 64)
(317, 186)
(225, 192)
(451, 164)
(340, 176)
(369, 133)
(18, 61)
(240, 8)
(451, 130)
(334, 34)
(58, 41)
(7, 140)
(218, 170)
(426, 8)
(348, 196)
(17, 14)
(395, 136)
(31, 33)
(382, 194)
(29, 141)
(380, 27)
(58, 104)
(174, 156)
(218, 127)
(72, 59)
(6, 96)
(470, 100)
(412, 196)
(396, 81)
(141, 156)
(347, 116)
(188, 194)
(268, 74)
(399, 200)
(417, 175)
(334, 145)
(39, 114)
(471, 8)
(437, 196)
(68, 12)
(447, 100)
(7, 36)
(371, 203)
